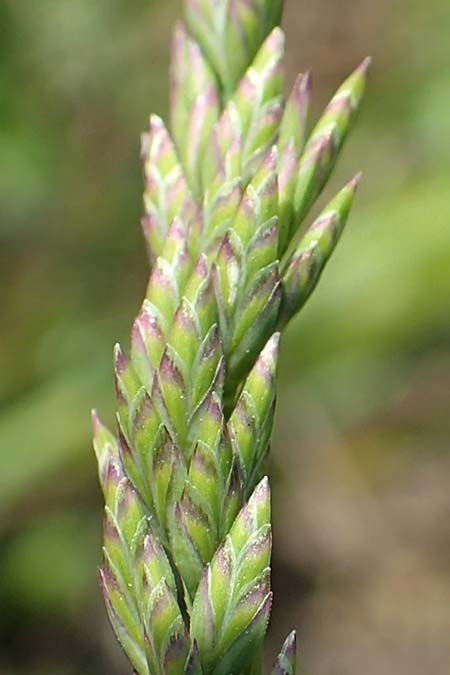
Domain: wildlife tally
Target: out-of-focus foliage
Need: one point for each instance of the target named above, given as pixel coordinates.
(361, 460)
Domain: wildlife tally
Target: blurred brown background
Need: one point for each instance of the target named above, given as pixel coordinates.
(360, 463)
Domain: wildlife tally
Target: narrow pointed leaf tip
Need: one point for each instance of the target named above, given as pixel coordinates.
(286, 661)
(325, 143)
(105, 447)
(314, 250)
(295, 117)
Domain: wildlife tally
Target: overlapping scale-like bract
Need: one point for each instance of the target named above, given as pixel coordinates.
(251, 117)
(136, 578)
(166, 192)
(230, 33)
(232, 605)
(325, 143)
(286, 661)
(246, 275)
(251, 420)
(314, 250)
(194, 105)
(187, 538)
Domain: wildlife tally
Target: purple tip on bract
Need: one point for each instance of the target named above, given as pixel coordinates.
(354, 183)
(271, 160)
(115, 473)
(107, 581)
(156, 123)
(226, 251)
(256, 594)
(317, 149)
(263, 614)
(301, 91)
(202, 267)
(109, 576)
(148, 321)
(137, 340)
(223, 562)
(261, 493)
(269, 355)
(286, 661)
(169, 371)
(290, 645)
(120, 360)
(276, 39)
(324, 222)
(214, 408)
(96, 422)
(306, 82)
(110, 532)
(185, 318)
(149, 549)
(248, 88)
(177, 231)
(161, 279)
(365, 65)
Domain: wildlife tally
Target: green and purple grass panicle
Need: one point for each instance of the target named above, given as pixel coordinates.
(187, 535)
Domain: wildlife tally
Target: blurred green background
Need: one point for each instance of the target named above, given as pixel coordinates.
(361, 462)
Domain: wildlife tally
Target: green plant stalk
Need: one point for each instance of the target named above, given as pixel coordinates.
(187, 533)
